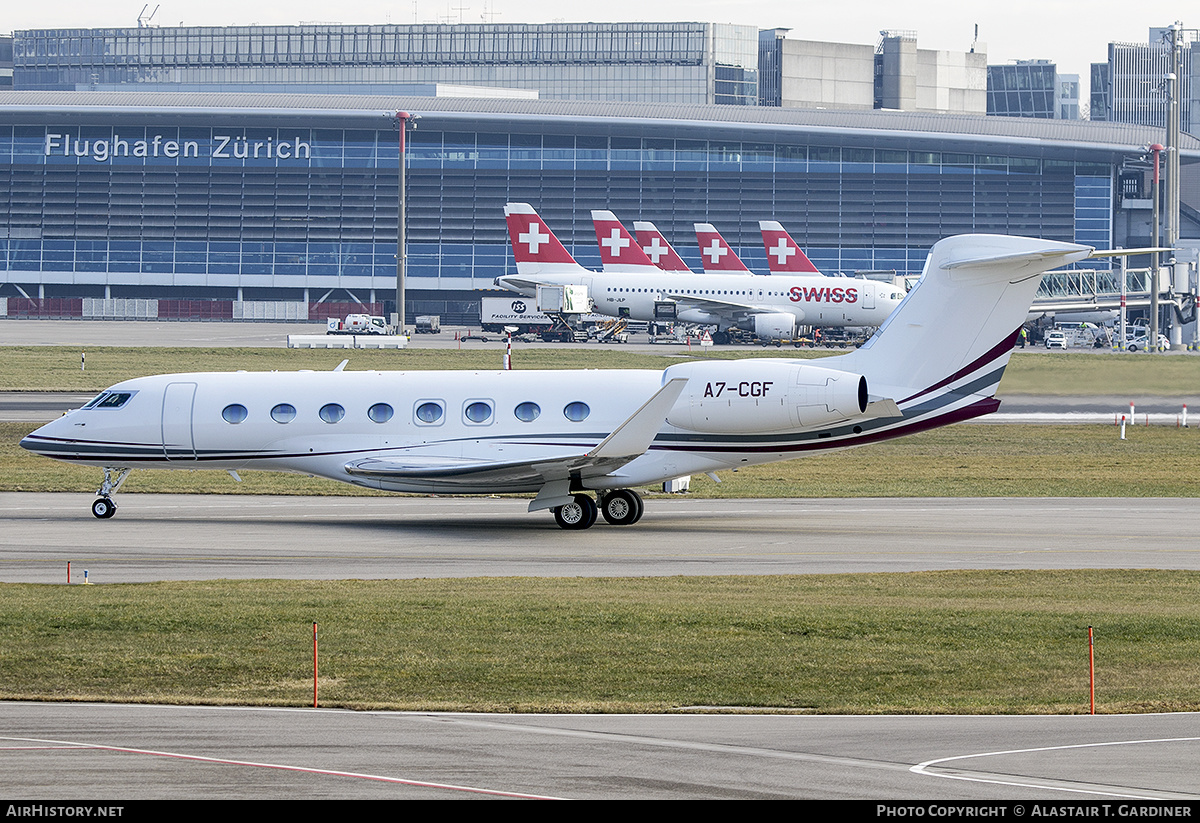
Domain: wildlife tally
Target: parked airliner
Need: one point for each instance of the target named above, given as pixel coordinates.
(769, 306)
(562, 434)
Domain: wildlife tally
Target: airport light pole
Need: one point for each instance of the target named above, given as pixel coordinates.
(403, 118)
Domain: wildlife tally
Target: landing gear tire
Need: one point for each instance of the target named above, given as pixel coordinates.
(577, 515)
(623, 507)
(721, 338)
(103, 507)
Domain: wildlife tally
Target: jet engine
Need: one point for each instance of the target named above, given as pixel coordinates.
(775, 326)
(747, 396)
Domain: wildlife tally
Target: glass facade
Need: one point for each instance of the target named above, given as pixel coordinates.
(664, 62)
(1131, 85)
(1023, 90)
(268, 206)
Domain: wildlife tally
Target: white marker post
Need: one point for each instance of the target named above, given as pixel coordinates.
(1122, 427)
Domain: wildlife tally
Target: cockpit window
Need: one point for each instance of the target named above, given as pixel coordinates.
(109, 400)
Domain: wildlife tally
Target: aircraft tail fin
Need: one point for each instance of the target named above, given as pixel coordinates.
(535, 248)
(618, 250)
(955, 330)
(657, 249)
(716, 253)
(784, 256)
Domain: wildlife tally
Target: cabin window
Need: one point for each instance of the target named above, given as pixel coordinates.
(527, 412)
(577, 411)
(234, 413)
(283, 413)
(429, 412)
(332, 412)
(478, 412)
(380, 412)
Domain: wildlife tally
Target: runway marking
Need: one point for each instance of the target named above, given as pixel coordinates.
(669, 743)
(1049, 783)
(70, 744)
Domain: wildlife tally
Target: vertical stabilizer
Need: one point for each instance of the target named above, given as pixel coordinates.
(956, 328)
(619, 252)
(535, 248)
(784, 256)
(716, 253)
(657, 249)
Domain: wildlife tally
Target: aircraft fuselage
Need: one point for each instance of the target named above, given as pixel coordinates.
(715, 298)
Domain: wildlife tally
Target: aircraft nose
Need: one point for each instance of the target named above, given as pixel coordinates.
(33, 441)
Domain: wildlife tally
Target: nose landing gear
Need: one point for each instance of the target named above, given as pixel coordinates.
(103, 507)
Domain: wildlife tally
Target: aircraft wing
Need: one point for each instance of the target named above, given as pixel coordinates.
(553, 473)
(731, 310)
(474, 471)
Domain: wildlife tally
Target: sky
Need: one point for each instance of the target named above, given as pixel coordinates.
(1071, 34)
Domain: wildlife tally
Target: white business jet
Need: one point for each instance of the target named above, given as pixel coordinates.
(769, 306)
(562, 434)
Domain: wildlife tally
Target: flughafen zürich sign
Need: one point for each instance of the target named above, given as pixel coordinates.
(221, 147)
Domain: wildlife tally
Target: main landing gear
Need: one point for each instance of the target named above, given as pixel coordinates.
(622, 507)
(103, 507)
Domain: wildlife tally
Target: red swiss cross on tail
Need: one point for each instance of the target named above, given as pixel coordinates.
(656, 247)
(783, 255)
(715, 252)
(618, 250)
(532, 241)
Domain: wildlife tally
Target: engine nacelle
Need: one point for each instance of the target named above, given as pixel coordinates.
(746, 396)
(776, 326)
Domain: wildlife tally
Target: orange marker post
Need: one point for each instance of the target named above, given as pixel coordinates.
(1092, 667)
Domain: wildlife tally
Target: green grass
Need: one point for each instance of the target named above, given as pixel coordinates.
(938, 642)
(957, 461)
(51, 368)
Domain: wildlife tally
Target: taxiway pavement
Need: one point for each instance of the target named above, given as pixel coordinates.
(198, 537)
(121, 753)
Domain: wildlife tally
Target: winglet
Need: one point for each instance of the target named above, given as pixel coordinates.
(634, 436)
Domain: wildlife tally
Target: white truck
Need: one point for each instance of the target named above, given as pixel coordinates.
(497, 312)
(357, 324)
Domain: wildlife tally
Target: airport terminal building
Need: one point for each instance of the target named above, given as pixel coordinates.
(214, 201)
